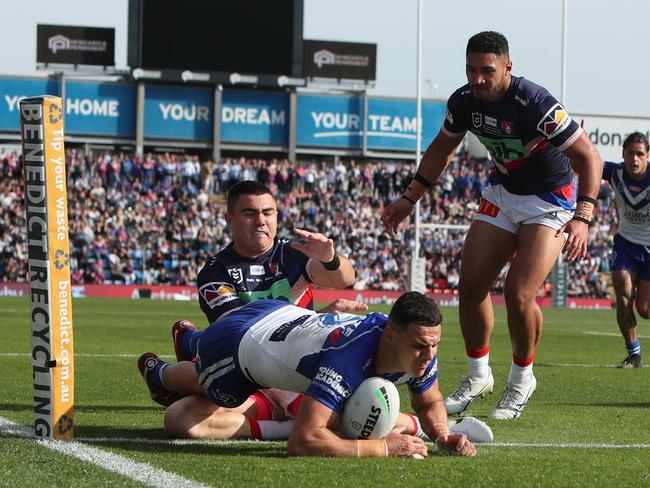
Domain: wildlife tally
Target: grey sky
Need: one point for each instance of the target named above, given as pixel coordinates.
(607, 42)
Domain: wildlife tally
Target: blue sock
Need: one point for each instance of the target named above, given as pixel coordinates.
(633, 347)
(189, 341)
(155, 376)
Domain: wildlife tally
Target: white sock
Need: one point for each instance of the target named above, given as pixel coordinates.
(417, 430)
(479, 367)
(520, 376)
(274, 430)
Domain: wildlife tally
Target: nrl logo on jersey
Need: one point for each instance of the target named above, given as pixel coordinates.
(554, 122)
(236, 274)
(477, 119)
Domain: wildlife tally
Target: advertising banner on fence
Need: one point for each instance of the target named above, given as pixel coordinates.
(330, 121)
(178, 113)
(608, 132)
(106, 109)
(255, 117)
(12, 90)
(189, 293)
(392, 123)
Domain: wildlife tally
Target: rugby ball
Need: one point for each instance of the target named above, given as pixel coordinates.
(371, 411)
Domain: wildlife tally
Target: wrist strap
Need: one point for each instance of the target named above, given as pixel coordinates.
(581, 219)
(413, 202)
(423, 181)
(332, 265)
(584, 198)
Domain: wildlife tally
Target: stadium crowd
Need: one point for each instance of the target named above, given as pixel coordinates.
(157, 220)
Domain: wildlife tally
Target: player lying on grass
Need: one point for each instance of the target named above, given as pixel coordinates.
(271, 343)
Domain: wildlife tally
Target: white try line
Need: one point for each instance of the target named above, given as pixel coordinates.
(244, 443)
(134, 470)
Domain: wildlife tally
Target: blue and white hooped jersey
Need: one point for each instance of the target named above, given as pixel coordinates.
(632, 203)
(325, 356)
(524, 133)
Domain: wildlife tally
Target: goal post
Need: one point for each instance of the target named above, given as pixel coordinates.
(41, 128)
(417, 268)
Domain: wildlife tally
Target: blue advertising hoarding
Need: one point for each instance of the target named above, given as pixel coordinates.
(12, 90)
(255, 117)
(106, 109)
(178, 113)
(392, 123)
(330, 121)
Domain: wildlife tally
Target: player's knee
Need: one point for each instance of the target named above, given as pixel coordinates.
(470, 291)
(517, 299)
(644, 310)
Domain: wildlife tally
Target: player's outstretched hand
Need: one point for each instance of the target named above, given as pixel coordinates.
(404, 445)
(395, 214)
(344, 306)
(456, 445)
(575, 246)
(317, 247)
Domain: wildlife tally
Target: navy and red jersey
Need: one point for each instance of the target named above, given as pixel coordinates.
(524, 133)
(229, 280)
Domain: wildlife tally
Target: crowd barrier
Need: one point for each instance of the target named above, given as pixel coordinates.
(189, 293)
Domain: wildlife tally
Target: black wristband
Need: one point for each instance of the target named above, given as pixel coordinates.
(423, 181)
(584, 198)
(409, 199)
(581, 219)
(332, 265)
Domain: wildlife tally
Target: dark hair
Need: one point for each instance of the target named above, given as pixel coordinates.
(488, 42)
(248, 187)
(636, 137)
(415, 308)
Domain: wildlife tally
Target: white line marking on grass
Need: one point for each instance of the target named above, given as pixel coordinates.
(568, 445)
(203, 442)
(169, 356)
(138, 471)
(89, 355)
(611, 334)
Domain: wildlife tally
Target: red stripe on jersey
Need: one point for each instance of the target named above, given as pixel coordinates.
(567, 192)
(488, 208)
(515, 163)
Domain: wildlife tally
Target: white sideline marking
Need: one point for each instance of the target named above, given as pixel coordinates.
(611, 334)
(138, 471)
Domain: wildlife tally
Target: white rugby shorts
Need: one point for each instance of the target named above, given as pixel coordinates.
(509, 211)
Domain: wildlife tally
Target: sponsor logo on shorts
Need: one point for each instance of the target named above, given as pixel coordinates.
(554, 122)
(217, 293)
(488, 208)
(221, 398)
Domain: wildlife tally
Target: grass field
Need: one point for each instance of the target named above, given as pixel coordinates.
(587, 425)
